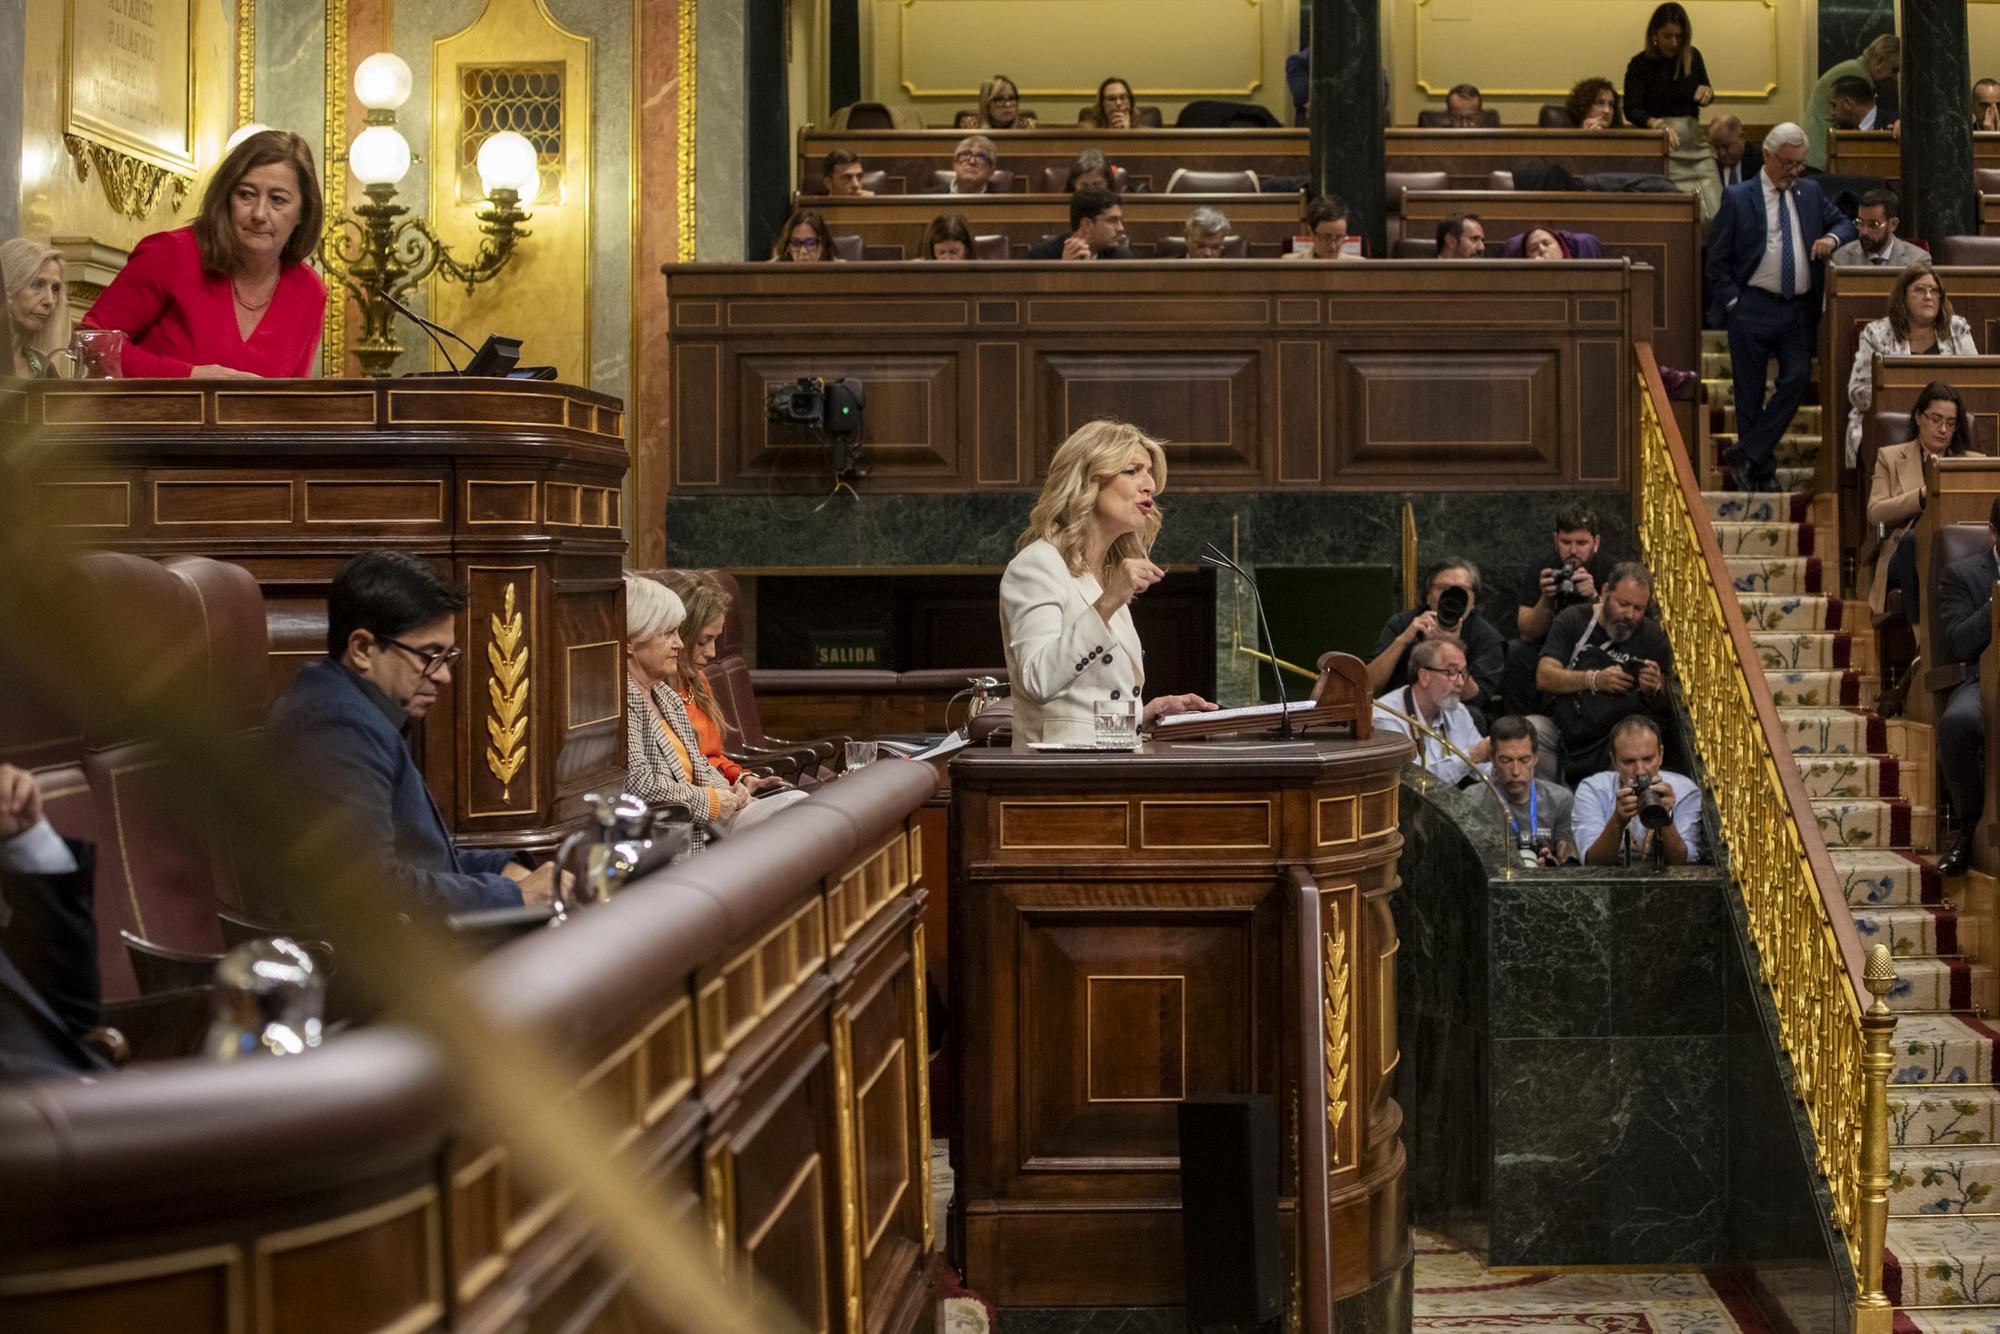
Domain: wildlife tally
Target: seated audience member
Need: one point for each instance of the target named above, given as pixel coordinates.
(1610, 831)
(1462, 107)
(1593, 103)
(948, 237)
(1881, 60)
(1096, 226)
(1438, 676)
(49, 991)
(1736, 158)
(1603, 663)
(1451, 607)
(1986, 104)
(1875, 241)
(1000, 106)
(1538, 810)
(1853, 106)
(1326, 223)
(704, 605)
(1116, 108)
(1542, 243)
(804, 239)
(1461, 236)
(1964, 609)
(1577, 567)
(391, 642)
(1205, 231)
(1088, 168)
(1920, 322)
(972, 164)
(37, 323)
(841, 175)
(1940, 427)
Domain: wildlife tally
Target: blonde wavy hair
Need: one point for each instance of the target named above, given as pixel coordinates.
(21, 258)
(1095, 452)
(705, 598)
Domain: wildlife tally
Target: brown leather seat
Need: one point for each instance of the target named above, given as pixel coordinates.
(848, 247)
(1054, 178)
(1187, 182)
(1441, 120)
(1396, 182)
(1414, 247)
(1499, 180)
(1555, 116)
(992, 247)
(1001, 184)
(877, 182)
(1986, 180)
(1968, 251)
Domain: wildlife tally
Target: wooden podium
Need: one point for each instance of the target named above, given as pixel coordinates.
(1131, 929)
(511, 487)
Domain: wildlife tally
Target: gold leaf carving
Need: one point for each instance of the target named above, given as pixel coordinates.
(132, 185)
(1335, 1004)
(507, 688)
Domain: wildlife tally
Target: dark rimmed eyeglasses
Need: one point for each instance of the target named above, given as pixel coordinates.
(431, 658)
(972, 157)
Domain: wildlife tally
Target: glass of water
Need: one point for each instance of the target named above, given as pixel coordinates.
(861, 754)
(1118, 724)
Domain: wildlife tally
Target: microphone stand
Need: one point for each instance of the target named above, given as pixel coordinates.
(1506, 810)
(1212, 555)
(428, 327)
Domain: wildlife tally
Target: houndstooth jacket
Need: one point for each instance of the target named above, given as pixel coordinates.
(655, 771)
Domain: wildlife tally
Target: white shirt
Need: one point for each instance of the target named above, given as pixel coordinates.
(37, 850)
(1770, 272)
(1597, 801)
(1868, 121)
(1454, 723)
(1733, 173)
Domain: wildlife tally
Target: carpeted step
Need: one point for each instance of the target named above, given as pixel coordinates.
(1946, 1261)
(1952, 1320)
(1797, 454)
(1804, 650)
(1871, 822)
(1760, 506)
(1943, 1049)
(1949, 1179)
(1834, 731)
(1775, 575)
(1968, 1114)
(1790, 611)
(1764, 539)
(1945, 983)
(1797, 476)
(1884, 878)
(1847, 775)
(1909, 932)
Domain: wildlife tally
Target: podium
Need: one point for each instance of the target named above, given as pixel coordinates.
(1198, 918)
(511, 487)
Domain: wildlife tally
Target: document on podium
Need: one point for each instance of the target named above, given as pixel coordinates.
(1250, 715)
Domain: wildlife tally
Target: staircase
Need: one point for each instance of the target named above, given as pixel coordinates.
(1871, 785)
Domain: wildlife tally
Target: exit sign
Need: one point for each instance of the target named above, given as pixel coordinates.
(836, 649)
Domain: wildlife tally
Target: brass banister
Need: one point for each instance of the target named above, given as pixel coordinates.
(1811, 955)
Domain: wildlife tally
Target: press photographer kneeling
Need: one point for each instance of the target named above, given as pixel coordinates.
(1634, 811)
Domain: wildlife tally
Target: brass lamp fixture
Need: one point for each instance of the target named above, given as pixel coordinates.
(373, 253)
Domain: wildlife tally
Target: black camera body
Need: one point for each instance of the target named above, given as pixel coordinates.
(1531, 848)
(1453, 603)
(1653, 812)
(832, 408)
(1566, 579)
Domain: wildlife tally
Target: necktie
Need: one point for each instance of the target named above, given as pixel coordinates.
(1788, 275)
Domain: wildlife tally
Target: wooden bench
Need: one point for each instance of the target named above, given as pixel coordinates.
(892, 226)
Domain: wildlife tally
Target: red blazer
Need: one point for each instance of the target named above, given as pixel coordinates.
(177, 316)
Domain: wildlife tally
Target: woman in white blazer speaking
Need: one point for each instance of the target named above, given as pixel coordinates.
(1065, 601)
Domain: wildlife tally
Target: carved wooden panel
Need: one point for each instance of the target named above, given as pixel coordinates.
(909, 423)
(1488, 414)
(1204, 404)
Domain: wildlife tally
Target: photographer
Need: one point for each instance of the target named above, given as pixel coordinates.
(1622, 810)
(1601, 664)
(1433, 700)
(1538, 811)
(1572, 577)
(1451, 607)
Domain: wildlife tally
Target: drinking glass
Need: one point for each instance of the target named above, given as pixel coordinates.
(861, 754)
(97, 354)
(1117, 723)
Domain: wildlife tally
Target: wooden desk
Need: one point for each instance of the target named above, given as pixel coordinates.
(1962, 491)
(1661, 231)
(1877, 153)
(892, 227)
(511, 487)
(1149, 157)
(1506, 375)
(1989, 215)
(1132, 930)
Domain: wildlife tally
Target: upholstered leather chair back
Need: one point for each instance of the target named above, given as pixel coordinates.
(1396, 182)
(1499, 180)
(992, 247)
(877, 182)
(1960, 251)
(1986, 180)
(1414, 247)
(1053, 179)
(1186, 182)
(1001, 184)
(1555, 116)
(1441, 120)
(848, 247)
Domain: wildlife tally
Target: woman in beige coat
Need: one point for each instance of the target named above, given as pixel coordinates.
(1896, 496)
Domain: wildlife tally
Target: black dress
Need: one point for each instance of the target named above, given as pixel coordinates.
(1656, 88)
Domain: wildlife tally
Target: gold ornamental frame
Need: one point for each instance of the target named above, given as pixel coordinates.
(136, 176)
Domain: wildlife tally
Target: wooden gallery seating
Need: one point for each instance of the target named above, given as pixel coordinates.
(893, 226)
(1501, 376)
(750, 1021)
(1879, 153)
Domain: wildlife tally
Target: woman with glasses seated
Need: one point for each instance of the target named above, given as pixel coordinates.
(1920, 323)
(1116, 109)
(1939, 428)
(972, 165)
(1000, 106)
(804, 239)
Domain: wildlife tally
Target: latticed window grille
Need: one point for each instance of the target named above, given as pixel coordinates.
(527, 99)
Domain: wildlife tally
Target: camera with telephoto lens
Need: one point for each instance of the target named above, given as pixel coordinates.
(1531, 847)
(1653, 812)
(1453, 603)
(1566, 578)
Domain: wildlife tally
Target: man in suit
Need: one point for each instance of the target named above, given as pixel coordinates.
(1096, 229)
(1736, 158)
(48, 941)
(1879, 62)
(1878, 245)
(1964, 601)
(391, 632)
(1767, 252)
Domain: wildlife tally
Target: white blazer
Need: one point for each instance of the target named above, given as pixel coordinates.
(1061, 656)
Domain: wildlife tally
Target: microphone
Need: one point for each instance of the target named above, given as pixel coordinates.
(432, 329)
(1212, 555)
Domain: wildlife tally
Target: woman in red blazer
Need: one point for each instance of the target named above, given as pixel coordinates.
(229, 295)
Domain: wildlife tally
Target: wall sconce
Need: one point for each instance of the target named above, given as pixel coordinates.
(372, 253)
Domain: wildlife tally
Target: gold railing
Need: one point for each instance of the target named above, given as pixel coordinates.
(1811, 955)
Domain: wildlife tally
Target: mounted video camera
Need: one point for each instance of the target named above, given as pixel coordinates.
(832, 408)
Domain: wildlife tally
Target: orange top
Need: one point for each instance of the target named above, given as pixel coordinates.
(687, 765)
(709, 733)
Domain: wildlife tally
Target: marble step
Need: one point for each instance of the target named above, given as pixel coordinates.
(1943, 1049)
(1948, 1179)
(1812, 690)
(1834, 731)
(1933, 984)
(1951, 1320)
(1885, 878)
(1847, 775)
(1776, 575)
(1922, 1117)
(1804, 650)
(1790, 611)
(1945, 1261)
(1909, 932)
(1759, 507)
(1764, 539)
(1874, 822)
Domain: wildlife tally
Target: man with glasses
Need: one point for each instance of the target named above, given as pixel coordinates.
(1432, 698)
(391, 631)
(1767, 251)
(972, 164)
(1601, 663)
(1878, 243)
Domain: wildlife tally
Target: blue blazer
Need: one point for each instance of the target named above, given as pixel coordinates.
(48, 973)
(352, 761)
(1736, 239)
